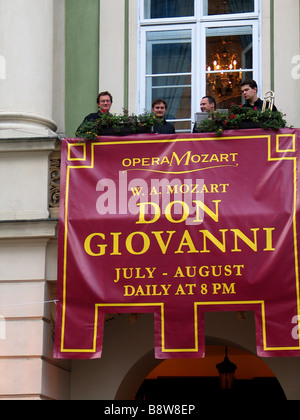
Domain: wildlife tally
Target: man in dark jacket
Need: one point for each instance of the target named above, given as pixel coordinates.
(159, 109)
(249, 91)
(104, 102)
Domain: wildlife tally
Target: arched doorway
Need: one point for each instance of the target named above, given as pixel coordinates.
(198, 380)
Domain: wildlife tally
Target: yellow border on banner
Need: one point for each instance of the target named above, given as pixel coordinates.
(83, 158)
(196, 304)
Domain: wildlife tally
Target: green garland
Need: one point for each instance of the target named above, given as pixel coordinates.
(91, 129)
(240, 117)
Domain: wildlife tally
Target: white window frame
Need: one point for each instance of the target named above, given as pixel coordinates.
(256, 70)
(198, 25)
(143, 62)
(233, 16)
(160, 21)
(199, 9)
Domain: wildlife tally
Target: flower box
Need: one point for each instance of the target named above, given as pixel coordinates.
(240, 117)
(124, 131)
(118, 125)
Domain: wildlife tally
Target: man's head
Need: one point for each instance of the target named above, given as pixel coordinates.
(159, 108)
(208, 104)
(104, 101)
(249, 90)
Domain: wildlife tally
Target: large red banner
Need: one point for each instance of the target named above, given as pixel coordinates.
(177, 226)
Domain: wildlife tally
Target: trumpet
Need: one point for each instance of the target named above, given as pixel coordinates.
(268, 101)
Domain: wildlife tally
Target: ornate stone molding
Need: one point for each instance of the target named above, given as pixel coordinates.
(54, 180)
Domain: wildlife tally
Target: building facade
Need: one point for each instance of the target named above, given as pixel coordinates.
(55, 56)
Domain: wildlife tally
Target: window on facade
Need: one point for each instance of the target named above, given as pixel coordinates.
(224, 7)
(157, 9)
(168, 72)
(229, 61)
(191, 49)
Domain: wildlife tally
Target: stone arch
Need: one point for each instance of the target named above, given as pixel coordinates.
(142, 368)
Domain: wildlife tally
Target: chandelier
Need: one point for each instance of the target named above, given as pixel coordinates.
(223, 71)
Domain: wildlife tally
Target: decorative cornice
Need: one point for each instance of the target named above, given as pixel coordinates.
(21, 141)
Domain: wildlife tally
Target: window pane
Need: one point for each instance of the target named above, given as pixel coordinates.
(169, 57)
(229, 59)
(182, 126)
(225, 88)
(171, 81)
(155, 9)
(222, 7)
